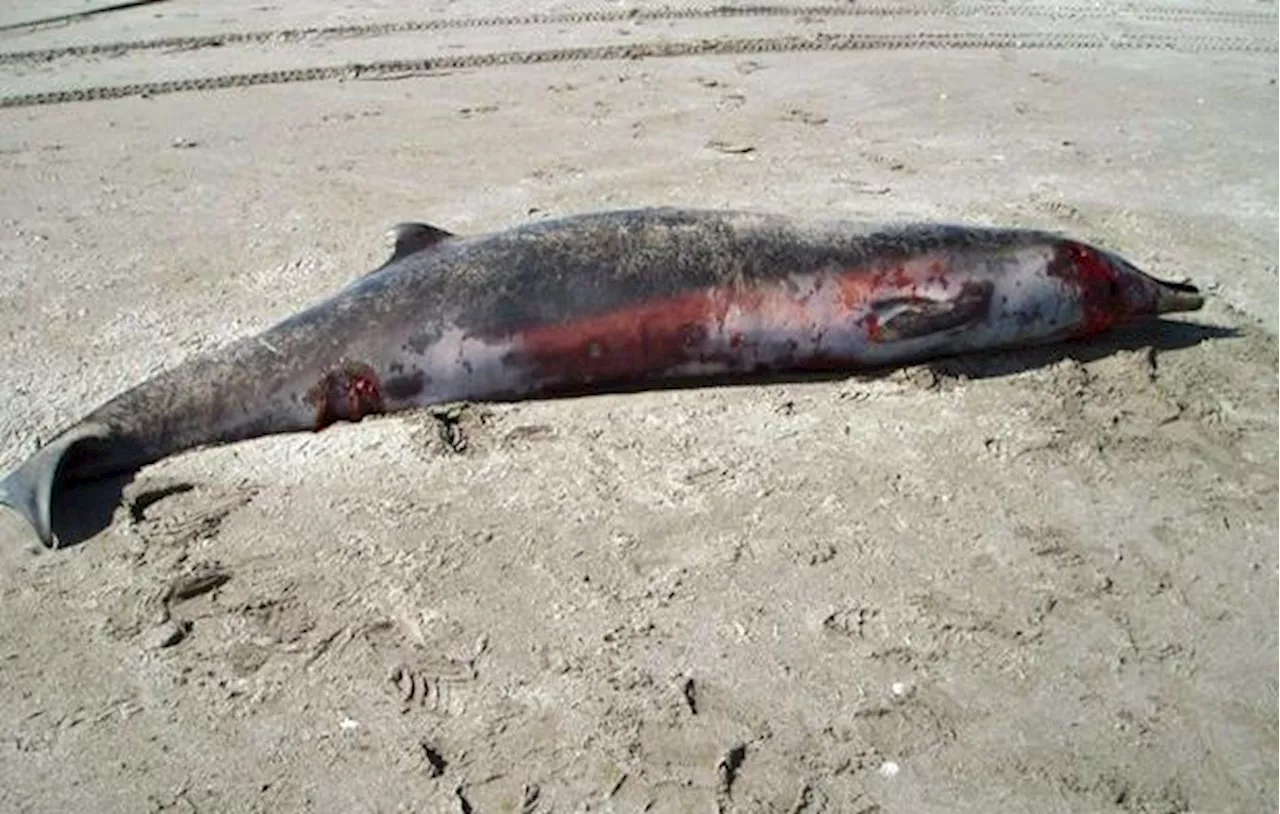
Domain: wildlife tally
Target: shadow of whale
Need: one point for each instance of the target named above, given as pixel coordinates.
(1158, 335)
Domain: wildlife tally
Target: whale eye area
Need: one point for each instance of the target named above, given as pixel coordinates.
(348, 391)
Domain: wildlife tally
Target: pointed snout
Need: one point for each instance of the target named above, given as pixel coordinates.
(1173, 297)
(1150, 295)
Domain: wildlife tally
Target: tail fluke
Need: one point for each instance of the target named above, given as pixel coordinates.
(29, 489)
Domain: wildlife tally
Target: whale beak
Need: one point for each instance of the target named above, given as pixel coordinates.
(1174, 297)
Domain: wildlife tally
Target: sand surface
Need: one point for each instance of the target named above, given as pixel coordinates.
(1023, 582)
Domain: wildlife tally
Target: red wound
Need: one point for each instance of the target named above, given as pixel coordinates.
(1092, 276)
(873, 327)
(348, 392)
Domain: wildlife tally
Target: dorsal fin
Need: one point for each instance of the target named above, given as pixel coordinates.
(410, 238)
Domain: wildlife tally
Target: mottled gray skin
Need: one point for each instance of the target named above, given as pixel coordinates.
(397, 321)
(560, 269)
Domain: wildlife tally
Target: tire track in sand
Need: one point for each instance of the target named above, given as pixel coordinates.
(399, 68)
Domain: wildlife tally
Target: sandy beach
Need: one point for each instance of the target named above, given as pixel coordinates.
(1039, 581)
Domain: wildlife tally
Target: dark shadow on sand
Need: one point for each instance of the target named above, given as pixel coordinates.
(82, 510)
(1158, 335)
